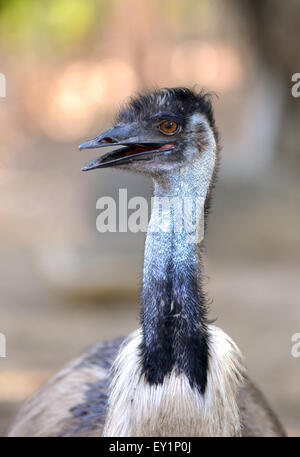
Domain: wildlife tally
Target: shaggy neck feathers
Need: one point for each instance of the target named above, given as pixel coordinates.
(173, 408)
(173, 303)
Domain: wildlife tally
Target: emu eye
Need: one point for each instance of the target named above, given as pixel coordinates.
(168, 127)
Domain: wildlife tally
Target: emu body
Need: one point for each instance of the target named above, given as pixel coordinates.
(75, 403)
(177, 375)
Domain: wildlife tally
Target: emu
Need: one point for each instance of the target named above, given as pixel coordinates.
(177, 375)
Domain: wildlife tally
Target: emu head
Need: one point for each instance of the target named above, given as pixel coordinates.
(157, 133)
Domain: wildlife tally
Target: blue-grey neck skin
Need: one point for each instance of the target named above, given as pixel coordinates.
(173, 303)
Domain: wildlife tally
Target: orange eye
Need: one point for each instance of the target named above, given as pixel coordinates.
(168, 127)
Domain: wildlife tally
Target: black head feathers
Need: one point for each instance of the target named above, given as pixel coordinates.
(180, 101)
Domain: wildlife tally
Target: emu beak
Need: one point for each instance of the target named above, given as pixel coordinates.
(136, 145)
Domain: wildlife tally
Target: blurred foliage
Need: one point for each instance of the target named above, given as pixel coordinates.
(195, 14)
(56, 25)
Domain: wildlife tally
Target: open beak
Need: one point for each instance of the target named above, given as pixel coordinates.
(134, 147)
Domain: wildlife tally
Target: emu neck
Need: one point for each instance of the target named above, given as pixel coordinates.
(173, 303)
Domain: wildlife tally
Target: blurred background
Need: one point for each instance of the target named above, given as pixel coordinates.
(68, 65)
